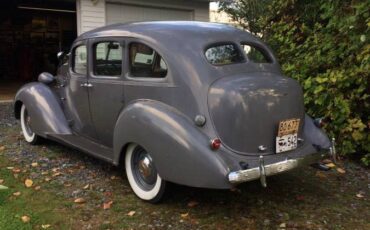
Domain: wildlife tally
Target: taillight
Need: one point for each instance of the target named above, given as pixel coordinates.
(319, 122)
(215, 144)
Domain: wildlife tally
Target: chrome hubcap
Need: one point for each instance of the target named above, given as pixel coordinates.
(143, 169)
(145, 166)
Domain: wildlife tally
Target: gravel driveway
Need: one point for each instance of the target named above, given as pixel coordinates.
(302, 199)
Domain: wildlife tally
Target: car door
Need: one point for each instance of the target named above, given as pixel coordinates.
(77, 95)
(106, 91)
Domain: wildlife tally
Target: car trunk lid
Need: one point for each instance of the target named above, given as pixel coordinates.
(246, 110)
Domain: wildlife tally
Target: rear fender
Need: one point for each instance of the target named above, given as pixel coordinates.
(316, 136)
(179, 149)
(44, 109)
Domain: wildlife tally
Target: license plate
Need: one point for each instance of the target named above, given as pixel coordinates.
(287, 138)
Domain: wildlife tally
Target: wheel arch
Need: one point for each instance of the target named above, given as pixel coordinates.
(44, 108)
(179, 149)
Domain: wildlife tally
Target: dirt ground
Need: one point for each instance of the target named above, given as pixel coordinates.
(73, 191)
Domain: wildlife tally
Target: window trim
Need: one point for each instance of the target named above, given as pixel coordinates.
(129, 75)
(241, 53)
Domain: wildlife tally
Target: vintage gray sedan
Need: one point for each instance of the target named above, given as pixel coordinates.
(193, 103)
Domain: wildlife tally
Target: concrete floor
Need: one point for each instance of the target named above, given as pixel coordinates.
(8, 90)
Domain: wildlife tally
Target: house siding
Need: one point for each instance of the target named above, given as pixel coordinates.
(92, 14)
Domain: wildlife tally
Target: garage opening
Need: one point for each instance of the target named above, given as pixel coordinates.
(32, 32)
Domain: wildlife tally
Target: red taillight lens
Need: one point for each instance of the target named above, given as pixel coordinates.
(319, 122)
(215, 144)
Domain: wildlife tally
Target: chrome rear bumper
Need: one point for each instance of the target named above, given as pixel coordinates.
(267, 170)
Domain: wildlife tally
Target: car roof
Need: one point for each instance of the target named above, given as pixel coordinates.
(178, 30)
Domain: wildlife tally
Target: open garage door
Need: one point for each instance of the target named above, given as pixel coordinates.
(119, 13)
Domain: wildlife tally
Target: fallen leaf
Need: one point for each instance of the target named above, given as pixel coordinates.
(131, 213)
(192, 204)
(80, 200)
(16, 170)
(44, 173)
(86, 186)
(320, 174)
(55, 169)
(56, 174)
(282, 225)
(10, 167)
(2, 148)
(184, 215)
(330, 165)
(340, 170)
(2, 187)
(359, 195)
(107, 205)
(17, 194)
(34, 164)
(327, 161)
(47, 179)
(37, 188)
(1, 181)
(16, 175)
(67, 185)
(113, 177)
(28, 183)
(45, 226)
(25, 219)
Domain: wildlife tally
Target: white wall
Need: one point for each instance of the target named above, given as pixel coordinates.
(92, 13)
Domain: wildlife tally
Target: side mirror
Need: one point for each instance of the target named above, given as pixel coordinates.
(60, 55)
(46, 78)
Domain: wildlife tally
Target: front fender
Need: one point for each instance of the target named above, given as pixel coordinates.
(44, 109)
(316, 136)
(179, 149)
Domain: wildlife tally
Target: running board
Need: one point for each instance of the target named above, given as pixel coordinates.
(85, 145)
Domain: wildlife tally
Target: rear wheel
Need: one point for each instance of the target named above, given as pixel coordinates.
(30, 136)
(142, 174)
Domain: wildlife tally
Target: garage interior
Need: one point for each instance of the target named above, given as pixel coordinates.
(32, 32)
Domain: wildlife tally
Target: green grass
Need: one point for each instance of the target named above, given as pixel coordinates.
(38, 205)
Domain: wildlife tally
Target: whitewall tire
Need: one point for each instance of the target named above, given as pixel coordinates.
(142, 174)
(30, 136)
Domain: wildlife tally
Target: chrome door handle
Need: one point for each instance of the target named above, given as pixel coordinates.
(87, 85)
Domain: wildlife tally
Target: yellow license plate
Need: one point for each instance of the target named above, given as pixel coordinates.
(288, 127)
(287, 138)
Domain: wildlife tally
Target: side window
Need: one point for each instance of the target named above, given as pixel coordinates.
(80, 60)
(146, 62)
(256, 54)
(107, 59)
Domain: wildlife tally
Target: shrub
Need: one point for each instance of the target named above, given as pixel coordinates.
(324, 45)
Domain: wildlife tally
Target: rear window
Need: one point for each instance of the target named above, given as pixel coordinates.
(256, 54)
(224, 54)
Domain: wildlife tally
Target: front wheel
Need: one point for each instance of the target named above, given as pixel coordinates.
(142, 174)
(30, 136)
